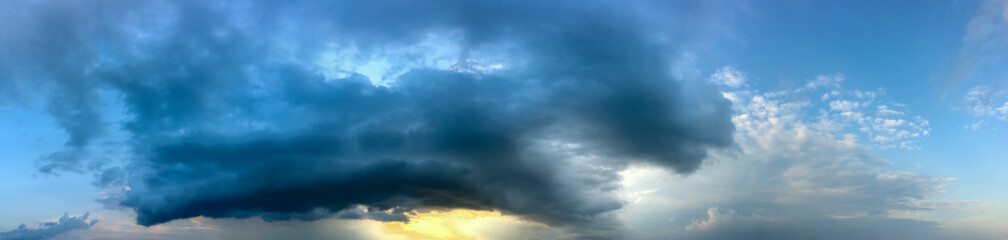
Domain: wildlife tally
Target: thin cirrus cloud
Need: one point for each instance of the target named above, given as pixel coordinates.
(983, 44)
(978, 63)
(229, 115)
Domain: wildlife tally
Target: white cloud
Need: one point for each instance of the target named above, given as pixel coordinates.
(792, 177)
(825, 81)
(886, 124)
(884, 110)
(800, 165)
(987, 102)
(844, 105)
(883, 123)
(729, 76)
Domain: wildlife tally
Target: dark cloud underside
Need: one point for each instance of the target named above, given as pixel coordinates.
(230, 118)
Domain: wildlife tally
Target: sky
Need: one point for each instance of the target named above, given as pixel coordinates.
(503, 119)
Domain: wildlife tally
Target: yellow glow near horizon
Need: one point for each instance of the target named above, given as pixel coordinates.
(453, 224)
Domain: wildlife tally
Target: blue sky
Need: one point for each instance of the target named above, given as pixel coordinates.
(908, 53)
(491, 120)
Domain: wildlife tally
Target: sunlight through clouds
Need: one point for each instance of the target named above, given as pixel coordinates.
(487, 119)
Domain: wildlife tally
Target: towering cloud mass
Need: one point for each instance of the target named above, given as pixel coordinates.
(305, 109)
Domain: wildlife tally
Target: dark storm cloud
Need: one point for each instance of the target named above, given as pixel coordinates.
(49, 230)
(228, 118)
(46, 48)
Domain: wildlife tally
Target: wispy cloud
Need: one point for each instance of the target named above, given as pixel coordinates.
(986, 38)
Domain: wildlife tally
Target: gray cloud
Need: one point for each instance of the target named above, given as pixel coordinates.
(730, 225)
(230, 116)
(793, 176)
(48, 230)
(52, 50)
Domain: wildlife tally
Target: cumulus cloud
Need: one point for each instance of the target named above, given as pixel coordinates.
(790, 177)
(777, 134)
(729, 76)
(252, 109)
(48, 230)
(885, 123)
